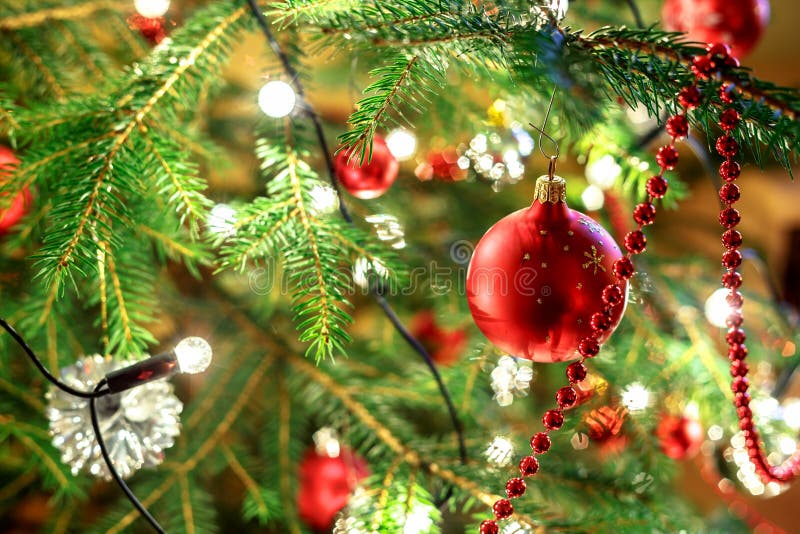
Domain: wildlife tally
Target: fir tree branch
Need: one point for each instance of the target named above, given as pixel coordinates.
(37, 61)
(121, 305)
(285, 473)
(246, 480)
(13, 488)
(186, 504)
(69, 12)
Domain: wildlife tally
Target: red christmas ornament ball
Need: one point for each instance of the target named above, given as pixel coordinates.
(19, 206)
(738, 23)
(326, 484)
(374, 177)
(679, 436)
(444, 346)
(151, 28)
(537, 276)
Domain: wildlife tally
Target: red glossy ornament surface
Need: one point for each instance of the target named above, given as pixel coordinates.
(679, 437)
(739, 23)
(19, 206)
(325, 486)
(537, 277)
(151, 28)
(374, 177)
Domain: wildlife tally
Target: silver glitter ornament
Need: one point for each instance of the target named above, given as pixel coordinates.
(137, 425)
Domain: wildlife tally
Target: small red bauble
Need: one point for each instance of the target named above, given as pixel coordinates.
(600, 321)
(566, 397)
(737, 352)
(727, 146)
(576, 372)
(730, 170)
(537, 276)
(326, 484)
(612, 295)
(515, 487)
(729, 193)
(738, 23)
(739, 368)
(729, 119)
(374, 177)
(151, 28)
(443, 165)
(644, 213)
(678, 126)
(489, 527)
(732, 280)
(635, 242)
(444, 346)
(540, 443)
(735, 336)
(702, 66)
(679, 437)
(689, 97)
(503, 509)
(588, 347)
(732, 239)
(731, 259)
(623, 268)
(740, 384)
(21, 203)
(727, 92)
(729, 217)
(529, 466)
(657, 186)
(553, 419)
(734, 299)
(667, 157)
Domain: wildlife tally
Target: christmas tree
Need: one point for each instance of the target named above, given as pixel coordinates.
(410, 331)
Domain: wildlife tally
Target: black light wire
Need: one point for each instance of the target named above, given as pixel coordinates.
(100, 390)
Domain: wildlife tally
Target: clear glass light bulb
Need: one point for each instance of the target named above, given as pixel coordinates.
(402, 144)
(277, 99)
(193, 355)
(151, 8)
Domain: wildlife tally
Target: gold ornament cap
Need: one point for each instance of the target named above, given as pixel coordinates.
(552, 189)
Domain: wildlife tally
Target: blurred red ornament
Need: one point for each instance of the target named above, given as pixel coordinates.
(20, 204)
(326, 484)
(604, 426)
(151, 28)
(442, 165)
(738, 23)
(679, 436)
(537, 276)
(444, 346)
(374, 177)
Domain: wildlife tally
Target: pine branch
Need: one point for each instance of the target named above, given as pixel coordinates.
(16, 21)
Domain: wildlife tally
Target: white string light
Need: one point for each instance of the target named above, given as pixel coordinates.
(402, 144)
(222, 220)
(277, 99)
(717, 308)
(636, 397)
(500, 451)
(151, 8)
(603, 172)
(593, 198)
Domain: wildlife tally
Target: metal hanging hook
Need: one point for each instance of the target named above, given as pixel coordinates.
(544, 135)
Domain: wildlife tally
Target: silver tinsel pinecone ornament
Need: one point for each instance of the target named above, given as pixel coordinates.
(137, 425)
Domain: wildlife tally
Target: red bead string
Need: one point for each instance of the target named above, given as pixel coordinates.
(704, 67)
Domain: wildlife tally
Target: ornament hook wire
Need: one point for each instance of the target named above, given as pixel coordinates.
(544, 135)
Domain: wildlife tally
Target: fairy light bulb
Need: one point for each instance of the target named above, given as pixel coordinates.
(636, 397)
(151, 8)
(717, 308)
(603, 172)
(277, 99)
(593, 198)
(222, 220)
(402, 144)
(193, 355)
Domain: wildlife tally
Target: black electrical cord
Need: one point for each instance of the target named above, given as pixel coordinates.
(39, 365)
(104, 451)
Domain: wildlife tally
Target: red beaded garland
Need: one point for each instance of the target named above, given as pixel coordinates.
(689, 97)
(540, 443)
(576, 372)
(678, 126)
(503, 509)
(600, 321)
(553, 419)
(657, 186)
(566, 397)
(635, 242)
(515, 487)
(667, 157)
(703, 66)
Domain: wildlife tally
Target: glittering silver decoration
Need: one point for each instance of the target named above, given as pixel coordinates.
(496, 158)
(137, 425)
(511, 378)
(388, 229)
